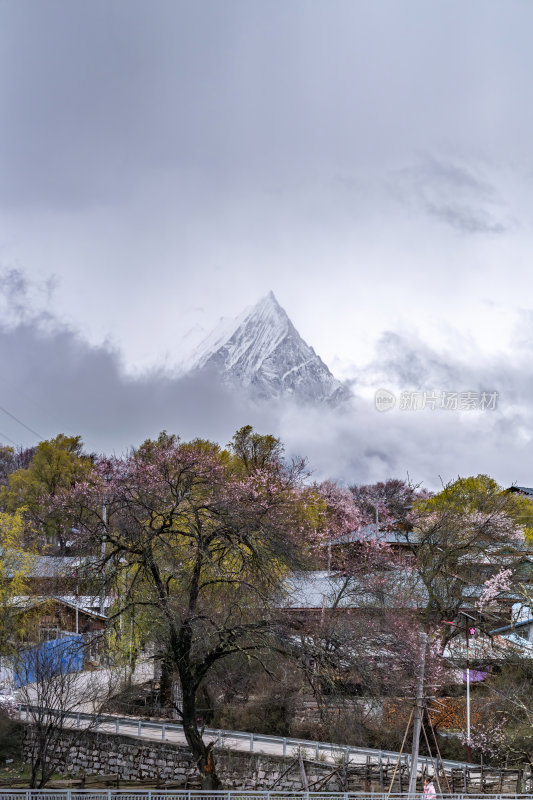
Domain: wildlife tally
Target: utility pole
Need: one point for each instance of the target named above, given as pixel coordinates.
(470, 631)
(419, 710)
(468, 748)
(102, 554)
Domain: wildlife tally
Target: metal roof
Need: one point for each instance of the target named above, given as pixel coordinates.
(513, 626)
(369, 532)
(29, 601)
(523, 489)
(320, 589)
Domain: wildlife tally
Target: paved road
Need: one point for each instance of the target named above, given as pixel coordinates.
(83, 691)
(227, 741)
(88, 690)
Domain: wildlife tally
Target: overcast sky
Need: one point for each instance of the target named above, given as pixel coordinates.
(163, 164)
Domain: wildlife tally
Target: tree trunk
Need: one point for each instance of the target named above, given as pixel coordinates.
(165, 683)
(203, 754)
(33, 777)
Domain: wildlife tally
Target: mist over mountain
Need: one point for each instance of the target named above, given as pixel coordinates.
(54, 381)
(262, 352)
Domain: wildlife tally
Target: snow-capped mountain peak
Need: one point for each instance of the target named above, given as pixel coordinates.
(262, 350)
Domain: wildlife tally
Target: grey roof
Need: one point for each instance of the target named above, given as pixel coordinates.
(30, 601)
(49, 566)
(522, 489)
(58, 566)
(518, 641)
(320, 589)
(369, 532)
(513, 626)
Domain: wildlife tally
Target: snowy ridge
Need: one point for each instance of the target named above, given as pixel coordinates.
(262, 351)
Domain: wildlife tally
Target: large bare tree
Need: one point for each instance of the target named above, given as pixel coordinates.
(197, 541)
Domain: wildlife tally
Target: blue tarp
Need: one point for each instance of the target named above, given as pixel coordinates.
(56, 657)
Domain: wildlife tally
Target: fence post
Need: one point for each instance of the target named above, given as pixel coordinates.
(163, 732)
(139, 728)
(316, 751)
(78, 720)
(117, 726)
(251, 743)
(284, 750)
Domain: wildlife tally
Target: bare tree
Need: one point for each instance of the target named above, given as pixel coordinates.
(51, 688)
(198, 540)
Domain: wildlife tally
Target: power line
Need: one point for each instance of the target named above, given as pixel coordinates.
(21, 423)
(5, 436)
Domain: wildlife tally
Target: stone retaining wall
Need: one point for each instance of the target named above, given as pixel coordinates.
(96, 753)
(132, 759)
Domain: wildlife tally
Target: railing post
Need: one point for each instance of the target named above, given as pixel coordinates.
(139, 728)
(284, 750)
(78, 720)
(163, 732)
(251, 743)
(316, 751)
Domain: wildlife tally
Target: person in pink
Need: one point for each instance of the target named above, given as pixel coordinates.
(429, 790)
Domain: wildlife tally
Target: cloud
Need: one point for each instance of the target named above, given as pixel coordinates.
(454, 193)
(410, 363)
(54, 381)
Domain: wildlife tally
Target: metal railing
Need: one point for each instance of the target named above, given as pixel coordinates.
(286, 746)
(180, 794)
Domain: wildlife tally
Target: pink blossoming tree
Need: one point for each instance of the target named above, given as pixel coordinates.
(198, 540)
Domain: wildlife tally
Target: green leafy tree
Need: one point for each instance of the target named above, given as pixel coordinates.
(462, 536)
(56, 465)
(15, 565)
(255, 451)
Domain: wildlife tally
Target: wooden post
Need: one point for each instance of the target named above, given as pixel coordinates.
(419, 710)
(519, 781)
